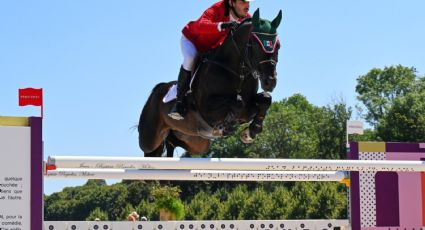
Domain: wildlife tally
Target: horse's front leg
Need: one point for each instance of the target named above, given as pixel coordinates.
(236, 108)
(263, 102)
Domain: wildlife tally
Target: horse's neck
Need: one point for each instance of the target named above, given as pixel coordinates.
(227, 58)
(232, 50)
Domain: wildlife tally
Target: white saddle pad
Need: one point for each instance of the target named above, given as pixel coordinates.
(171, 95)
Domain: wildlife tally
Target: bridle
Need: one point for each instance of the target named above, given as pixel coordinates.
(246, 66)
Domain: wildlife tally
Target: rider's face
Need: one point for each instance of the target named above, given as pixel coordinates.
(240, 7)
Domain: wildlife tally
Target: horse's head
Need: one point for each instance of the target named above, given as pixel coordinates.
(265, 45)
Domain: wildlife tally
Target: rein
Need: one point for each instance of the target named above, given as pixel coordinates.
(246, 66)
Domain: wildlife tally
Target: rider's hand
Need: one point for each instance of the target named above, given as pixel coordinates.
(231, 25)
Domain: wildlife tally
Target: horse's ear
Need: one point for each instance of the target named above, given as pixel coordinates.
(276, 21)
(256, 18)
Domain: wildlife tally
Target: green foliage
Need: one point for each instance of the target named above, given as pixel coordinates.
(405, 120)
(97, 214)
(368, 135)
(138, 190)
(168, 198)
(332, 200)
(394, 99)
(77, 203)
(378, 89)
(95, 183)
(236, 203)
(283, 203)
(293, 128)
(204, 206)
(128, 209)
(306, 201)
(331, 130)
(258, 206)
(148, 209)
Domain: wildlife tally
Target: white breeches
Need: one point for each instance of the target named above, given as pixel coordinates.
(189, 54)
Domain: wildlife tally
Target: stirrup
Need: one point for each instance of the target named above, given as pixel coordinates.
(176, 115)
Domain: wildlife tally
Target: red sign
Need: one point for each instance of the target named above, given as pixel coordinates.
(30, 96)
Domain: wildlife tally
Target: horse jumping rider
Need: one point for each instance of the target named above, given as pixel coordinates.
(206, 33)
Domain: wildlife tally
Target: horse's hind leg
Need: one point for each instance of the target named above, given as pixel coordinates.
(157, 152)
(152, 132)
(171, 142)
(197, 145)
(192, 144)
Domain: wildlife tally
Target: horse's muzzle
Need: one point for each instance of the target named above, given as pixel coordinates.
(268, 83)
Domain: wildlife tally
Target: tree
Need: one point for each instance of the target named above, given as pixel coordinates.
(138, 190)
(304, 194)
(378, 89)
(204, 206)
(128, 209)
(405, 120)
(331, 130)
(283, 203)
(236, 203)
(113, 199)
(97, 214)
(332, 200)
(258, 206)
(293, 128)
(148, 209)
(289, 131)
(368, 135)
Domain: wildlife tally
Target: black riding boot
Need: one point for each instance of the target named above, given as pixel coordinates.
(179, 109)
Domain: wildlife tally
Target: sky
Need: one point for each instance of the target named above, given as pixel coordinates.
(98, 60)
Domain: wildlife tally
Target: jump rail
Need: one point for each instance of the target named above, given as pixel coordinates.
(192, 175)
(108, 162)
(200, 225)
(380, 201)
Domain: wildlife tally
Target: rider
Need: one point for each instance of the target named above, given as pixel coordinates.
(206, 33)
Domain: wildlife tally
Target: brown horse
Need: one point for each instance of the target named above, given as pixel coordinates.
(223, 93)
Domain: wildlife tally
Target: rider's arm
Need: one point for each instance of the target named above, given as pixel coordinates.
(207, 24)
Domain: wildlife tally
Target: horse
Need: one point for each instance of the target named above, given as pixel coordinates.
(223, 93)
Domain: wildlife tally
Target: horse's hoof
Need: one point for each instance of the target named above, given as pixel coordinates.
(245, 137)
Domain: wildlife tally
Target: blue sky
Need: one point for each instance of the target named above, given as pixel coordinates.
(98, 60)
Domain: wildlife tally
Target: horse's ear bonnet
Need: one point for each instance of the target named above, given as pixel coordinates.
(265, 31)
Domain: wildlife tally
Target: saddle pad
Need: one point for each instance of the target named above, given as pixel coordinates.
(171, 94)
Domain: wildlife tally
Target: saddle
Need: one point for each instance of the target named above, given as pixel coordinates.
(205, 130)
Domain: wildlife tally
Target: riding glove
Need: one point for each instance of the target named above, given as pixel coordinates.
(231, 25)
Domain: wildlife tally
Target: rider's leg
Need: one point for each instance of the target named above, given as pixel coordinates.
(189, 55)
(178, 110)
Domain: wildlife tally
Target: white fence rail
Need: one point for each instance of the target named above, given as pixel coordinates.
(200, 225)
(192, 175)
(109, 162)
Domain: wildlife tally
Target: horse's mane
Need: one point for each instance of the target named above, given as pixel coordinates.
(245, 22)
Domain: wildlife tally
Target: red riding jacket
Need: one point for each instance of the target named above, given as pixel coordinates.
(203, 33)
